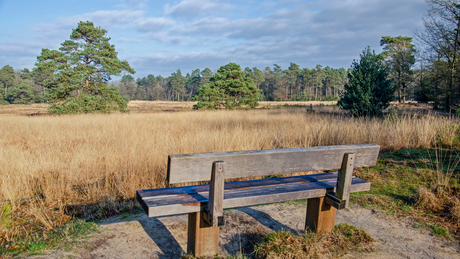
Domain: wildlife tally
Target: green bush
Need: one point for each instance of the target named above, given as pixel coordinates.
(103, 100)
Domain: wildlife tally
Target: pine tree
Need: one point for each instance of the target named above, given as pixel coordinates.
(81, 68)
(369, 91)
(399, 53)
(21, 94)
(7, 77)
(228, 88)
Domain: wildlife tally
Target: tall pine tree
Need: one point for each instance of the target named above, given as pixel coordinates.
(81, 69)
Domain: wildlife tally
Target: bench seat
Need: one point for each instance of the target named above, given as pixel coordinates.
(325, 192)
(189, 199)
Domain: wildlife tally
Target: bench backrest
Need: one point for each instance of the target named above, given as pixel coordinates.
(198, 167)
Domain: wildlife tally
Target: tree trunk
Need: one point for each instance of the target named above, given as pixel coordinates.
(316, 93)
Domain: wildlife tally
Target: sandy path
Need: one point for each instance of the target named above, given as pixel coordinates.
(165, 237)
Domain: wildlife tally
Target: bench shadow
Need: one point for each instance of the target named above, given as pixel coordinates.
(158, 232)
(266, 220)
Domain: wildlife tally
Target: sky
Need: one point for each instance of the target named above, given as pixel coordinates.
(159, 37)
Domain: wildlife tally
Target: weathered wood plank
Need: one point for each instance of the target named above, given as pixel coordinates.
(189, 203)
(197, 167)
(320, 216)
(167, 192)
(202, 238)
(216, 194)
(344, 178)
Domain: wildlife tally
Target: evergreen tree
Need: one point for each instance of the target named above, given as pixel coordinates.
(177, 83)
(21, 94)
(368, 91)
(228, 88)
(7, 77)
(81, 69)
(25, 74)
(206, 74)
(399, 52)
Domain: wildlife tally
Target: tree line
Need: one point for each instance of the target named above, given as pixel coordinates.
(276, 84)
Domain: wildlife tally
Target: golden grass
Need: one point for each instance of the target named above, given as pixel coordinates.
(341, 241)
(86, 158)
(427, 200)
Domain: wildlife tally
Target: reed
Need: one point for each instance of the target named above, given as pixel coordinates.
(87, 158)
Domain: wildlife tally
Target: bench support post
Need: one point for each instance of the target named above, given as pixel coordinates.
(203, 226)
(320, 213)
(202, 239)
(320, 216)
(344, 177)
(215, 210)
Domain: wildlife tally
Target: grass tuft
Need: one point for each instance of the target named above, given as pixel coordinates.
(342, 240)
(427, 200)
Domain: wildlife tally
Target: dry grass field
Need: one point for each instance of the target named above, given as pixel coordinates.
(103, 159)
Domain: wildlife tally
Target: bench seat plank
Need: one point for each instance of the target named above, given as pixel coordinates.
(188, 203)
(197, 167)
(166, 192)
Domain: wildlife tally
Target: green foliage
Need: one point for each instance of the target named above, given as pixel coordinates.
(22, 94)
(102, 99)
(399, 57)
(368, 91)
(81, 68)
(6, 77)
(228, 88)
(3, 101)
(439, 231)
(177, 83)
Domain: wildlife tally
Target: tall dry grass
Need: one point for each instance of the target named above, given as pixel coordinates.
(88, 158)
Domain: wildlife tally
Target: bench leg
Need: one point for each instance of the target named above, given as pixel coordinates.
(320, 216)
(203, 239)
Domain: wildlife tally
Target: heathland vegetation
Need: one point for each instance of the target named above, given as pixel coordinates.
(89, 166)
(55, 169)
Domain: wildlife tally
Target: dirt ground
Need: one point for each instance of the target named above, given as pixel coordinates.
(166, 237)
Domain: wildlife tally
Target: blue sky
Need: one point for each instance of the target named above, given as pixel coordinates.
(159, 37)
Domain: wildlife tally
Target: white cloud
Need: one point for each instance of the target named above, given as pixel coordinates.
(188, 9)
(151, 24)
(108, 19)
(132, 4)
(123, 39)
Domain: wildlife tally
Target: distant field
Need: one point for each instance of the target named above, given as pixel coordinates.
(170, 106)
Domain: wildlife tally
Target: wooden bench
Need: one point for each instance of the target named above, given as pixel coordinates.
(205, 203)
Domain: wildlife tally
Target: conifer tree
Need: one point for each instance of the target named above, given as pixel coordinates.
(228, 88)
(7, 77)
(81, 69)
(369, 91)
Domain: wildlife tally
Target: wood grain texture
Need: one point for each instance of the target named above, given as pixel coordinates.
(167, 192)
(320, 216)
(344, 178)
(202, 238)
(216, 193)
(189, 203)
(197, 167)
